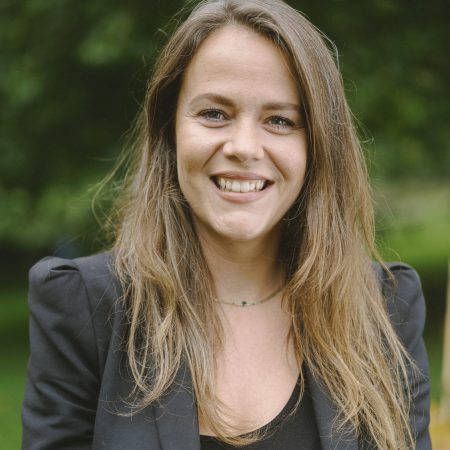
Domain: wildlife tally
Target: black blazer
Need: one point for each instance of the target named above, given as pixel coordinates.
(78, 382)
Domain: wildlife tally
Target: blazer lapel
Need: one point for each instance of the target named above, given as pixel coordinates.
(326, 413)
(176, 415)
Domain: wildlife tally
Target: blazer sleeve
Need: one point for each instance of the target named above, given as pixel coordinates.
(406, 306)
(62, 382)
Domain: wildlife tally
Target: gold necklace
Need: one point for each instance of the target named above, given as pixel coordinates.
(244, 303)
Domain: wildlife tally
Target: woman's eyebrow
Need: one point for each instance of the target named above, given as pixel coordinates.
(216, 98)
(283, 106)
(222, 100)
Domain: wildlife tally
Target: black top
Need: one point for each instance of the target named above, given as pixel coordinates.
(298, 431)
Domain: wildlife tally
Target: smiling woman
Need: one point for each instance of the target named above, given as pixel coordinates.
(241, 146)
(239, 305)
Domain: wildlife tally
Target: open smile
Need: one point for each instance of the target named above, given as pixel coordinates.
(233, 185)
(240, 184)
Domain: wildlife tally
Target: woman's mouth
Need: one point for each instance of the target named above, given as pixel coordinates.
(244, 186)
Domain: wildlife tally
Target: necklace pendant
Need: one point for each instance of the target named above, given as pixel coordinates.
(245, 303)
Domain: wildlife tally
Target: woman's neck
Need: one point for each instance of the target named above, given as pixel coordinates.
(249, 270)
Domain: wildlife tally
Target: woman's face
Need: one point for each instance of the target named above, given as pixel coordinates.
(241, 145)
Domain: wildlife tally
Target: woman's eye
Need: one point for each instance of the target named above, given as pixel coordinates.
(279, 121)
(213, 114)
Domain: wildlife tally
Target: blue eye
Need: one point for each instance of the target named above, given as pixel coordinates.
(280, 121)
(212, 114)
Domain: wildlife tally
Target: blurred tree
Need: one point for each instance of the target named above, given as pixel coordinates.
(393, 59)
(73, 74)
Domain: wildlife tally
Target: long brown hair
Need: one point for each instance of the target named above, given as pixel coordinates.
(340, 326)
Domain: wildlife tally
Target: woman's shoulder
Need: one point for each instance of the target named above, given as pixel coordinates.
(75, 294)
(94, 266)
(95, 273)
(406, 277)
(401, 287)
(404, 299)
(72, 306)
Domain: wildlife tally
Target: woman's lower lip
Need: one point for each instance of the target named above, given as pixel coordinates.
(241, 197)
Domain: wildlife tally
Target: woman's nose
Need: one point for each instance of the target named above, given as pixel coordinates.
(244, 142)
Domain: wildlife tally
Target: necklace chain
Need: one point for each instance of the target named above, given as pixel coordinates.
(244, 303)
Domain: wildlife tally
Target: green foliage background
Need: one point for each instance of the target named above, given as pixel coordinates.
(73, 76)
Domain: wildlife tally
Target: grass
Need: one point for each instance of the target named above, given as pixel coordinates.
(13, 357)
(12, 380)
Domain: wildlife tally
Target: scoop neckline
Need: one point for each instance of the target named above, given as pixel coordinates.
(288, 407)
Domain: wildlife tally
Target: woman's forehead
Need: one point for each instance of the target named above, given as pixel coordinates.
(236, 59)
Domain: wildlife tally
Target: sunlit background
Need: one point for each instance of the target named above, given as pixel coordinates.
(72, 76)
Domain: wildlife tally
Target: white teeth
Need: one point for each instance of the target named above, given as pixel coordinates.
(245, 186)
(232, 185)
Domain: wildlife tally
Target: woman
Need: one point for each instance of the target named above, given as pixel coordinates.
(239, 305)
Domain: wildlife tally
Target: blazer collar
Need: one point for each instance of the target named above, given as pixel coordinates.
(176, 415)
(326, 414)
(177, 421)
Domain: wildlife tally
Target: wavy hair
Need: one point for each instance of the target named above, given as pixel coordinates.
(340, 326)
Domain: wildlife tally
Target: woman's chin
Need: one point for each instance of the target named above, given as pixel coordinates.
(241, 232)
